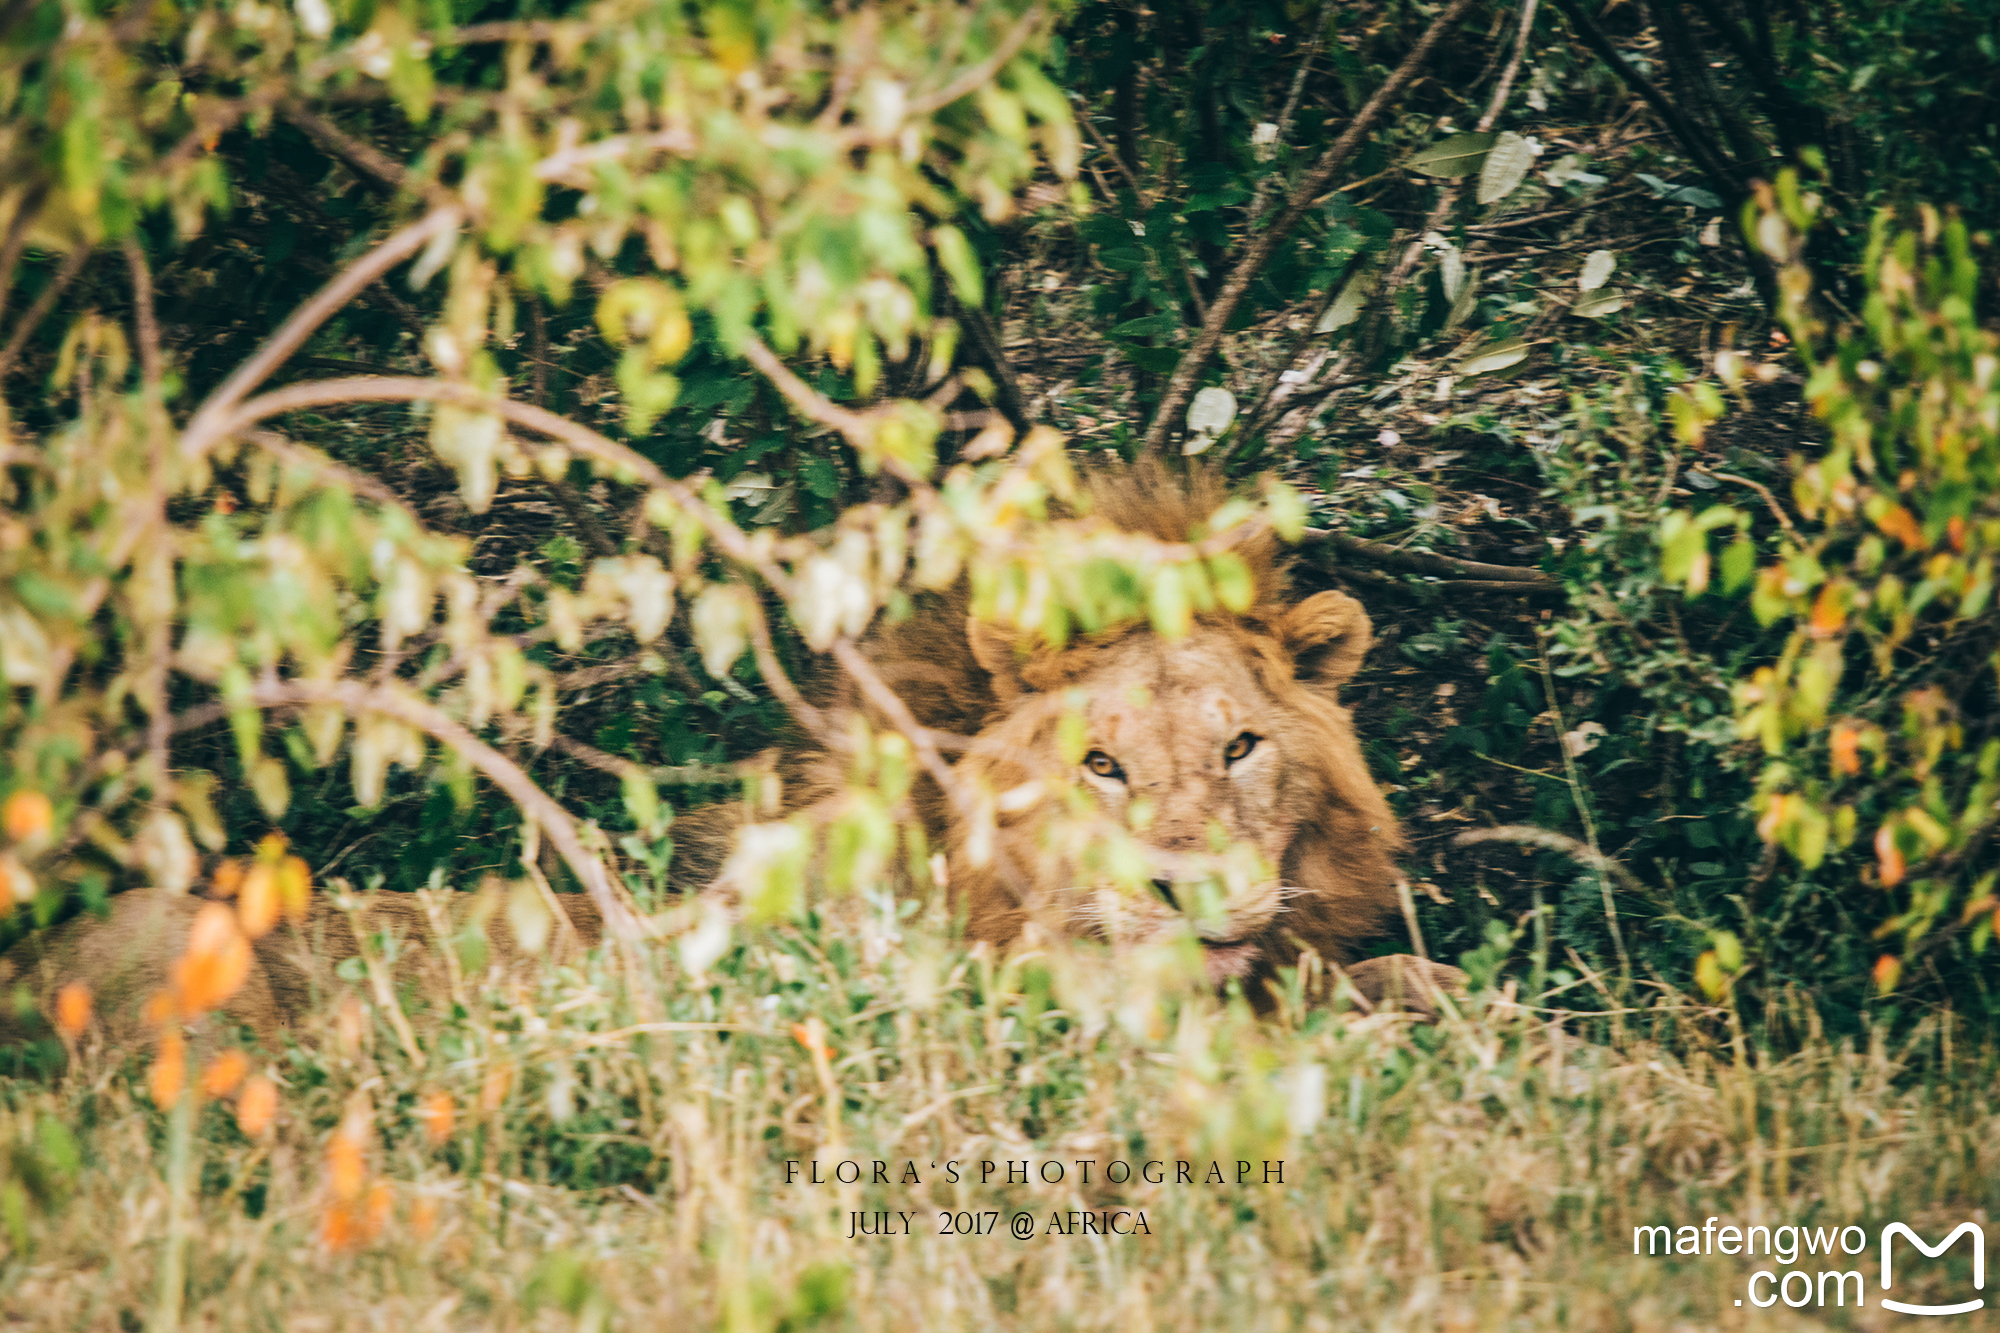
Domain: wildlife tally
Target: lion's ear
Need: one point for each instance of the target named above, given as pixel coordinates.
(993, 649)
(1328, 635)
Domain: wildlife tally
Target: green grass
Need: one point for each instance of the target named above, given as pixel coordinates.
(1484, 1174)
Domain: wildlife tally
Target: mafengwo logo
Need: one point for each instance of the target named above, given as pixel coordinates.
(1811, 1258)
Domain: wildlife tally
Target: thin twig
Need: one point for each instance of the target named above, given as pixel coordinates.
(768, 666)
(688, 775)
(971, 79)
(1526, 835)
(71, 266)
(731, 539)
(200, 432)
(1291, 109)
(1705, 154)
(16, 243)
(366, 159)
(145, 324)
(1582, 804)
(1777, 511)
(1428, 562)
(501, 771)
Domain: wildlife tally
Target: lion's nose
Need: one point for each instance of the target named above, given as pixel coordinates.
(1165, 888)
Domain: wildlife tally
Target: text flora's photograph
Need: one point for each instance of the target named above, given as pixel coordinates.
(999, 664)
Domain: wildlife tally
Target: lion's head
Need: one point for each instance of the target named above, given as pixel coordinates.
(1227, 739)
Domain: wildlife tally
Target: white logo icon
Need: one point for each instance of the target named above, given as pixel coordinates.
(1972, 1229)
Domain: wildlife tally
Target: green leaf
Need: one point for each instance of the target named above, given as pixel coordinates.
(1147, 326)
(1496, 356)
(820, 478)
(1597, 269)
(1460, 155)
(1596, 305)
(648, 393)
(1505, 167)
(955, 254)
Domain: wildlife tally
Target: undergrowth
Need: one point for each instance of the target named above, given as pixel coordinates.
(626, 1145)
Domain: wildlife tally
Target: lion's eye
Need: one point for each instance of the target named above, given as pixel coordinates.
(1239, 748)
(1103, 765)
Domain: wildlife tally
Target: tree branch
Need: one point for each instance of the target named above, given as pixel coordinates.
(364, 158)
(1223, 308)
(200, 433)
(974, 76)
(501, 771)
(1426, 562)
(1524, 835)
(729, 538)
(71, 266)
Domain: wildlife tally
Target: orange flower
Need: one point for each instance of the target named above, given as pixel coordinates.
(1900, 524)
(257, 1106)
(228, 877)
(1889, 857)
(28, 816)
(1774, 817)
(257, 908)
(223, 1073)
(345, 1170)
(1829, 613)
(160, 1009)
(1888, 971)
(493, 1092)
(423, 1216)
(438, 1113)
(349, 1025)
(1954, 531)
(811, 1034)
(294, 889)
(1846, 743)
(353, 1224)
(215, 963)
(168, 1077)
(72, 1009)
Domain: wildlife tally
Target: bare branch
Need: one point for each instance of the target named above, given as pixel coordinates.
(71, 266)
(1426, 562)
(809, 402)
(201, 431)
(498, 769)
(1770, 500)
(1258, 200)
(1524, 835)
(366, 159)
(145, 323)
(16, 242)
(970, 79)
(774, 675)
(681, 774)
(1195, 360)
(1705, 154)
(729, 538)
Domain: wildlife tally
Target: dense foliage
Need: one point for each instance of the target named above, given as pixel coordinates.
(714, 320)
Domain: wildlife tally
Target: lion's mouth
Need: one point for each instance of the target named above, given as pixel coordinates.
(1228, 959)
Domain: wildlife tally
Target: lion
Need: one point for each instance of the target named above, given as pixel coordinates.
(1230, 737)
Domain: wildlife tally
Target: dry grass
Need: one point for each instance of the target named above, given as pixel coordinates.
(1484, 1174)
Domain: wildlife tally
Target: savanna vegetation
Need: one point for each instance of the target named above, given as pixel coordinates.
(448, 451)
